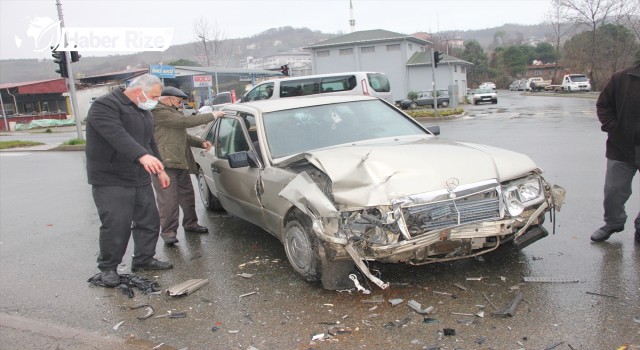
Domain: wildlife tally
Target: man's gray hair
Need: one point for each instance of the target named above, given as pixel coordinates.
(145, 82)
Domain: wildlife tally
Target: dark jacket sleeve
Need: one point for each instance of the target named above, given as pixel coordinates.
(105, 120)
(606, 106)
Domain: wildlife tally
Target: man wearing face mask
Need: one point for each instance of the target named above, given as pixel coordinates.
(174, 143)
(122, 157)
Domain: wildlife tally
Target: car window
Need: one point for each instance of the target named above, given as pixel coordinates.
(379, 82)
(299, 87)
(231, 138)
(211, 133)
(303, 129)
(338, 83)
(260, 92)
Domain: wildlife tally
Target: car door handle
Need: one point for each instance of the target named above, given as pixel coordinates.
(215, 169)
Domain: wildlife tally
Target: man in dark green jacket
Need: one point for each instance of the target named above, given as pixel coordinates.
(174, 143)
(618, 110)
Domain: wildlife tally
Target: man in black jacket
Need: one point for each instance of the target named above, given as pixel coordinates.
(618, 109)
(121, 153)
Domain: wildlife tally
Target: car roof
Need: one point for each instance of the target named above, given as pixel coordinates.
(278, 104)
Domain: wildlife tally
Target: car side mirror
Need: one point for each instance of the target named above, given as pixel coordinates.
(434, 129)
(243, 159)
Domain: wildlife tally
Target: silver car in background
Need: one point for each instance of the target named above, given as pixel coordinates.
(341, 180)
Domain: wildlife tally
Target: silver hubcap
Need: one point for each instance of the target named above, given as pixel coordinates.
(299, 247)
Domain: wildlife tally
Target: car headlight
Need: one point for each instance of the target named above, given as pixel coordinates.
(522, 193)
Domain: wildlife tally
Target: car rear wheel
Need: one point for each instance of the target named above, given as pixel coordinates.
(301, 247)
(494, 101)
(444, 104)
(209, 201)
(413, 105)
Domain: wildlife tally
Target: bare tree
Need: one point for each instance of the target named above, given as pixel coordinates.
(558, 21)
(593, 13)
(209, 45)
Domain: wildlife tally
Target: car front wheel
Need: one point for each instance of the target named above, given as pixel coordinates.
(413, 105)
(301, 247)
(444, 104)
(209, 201)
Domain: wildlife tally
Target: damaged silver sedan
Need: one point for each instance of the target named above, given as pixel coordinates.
(341, 180)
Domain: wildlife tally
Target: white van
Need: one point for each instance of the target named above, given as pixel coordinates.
(348, 83)
(576, 82)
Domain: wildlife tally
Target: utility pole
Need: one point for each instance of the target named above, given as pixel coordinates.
(71, 85)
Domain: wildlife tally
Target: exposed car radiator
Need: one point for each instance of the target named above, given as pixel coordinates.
(454, 212)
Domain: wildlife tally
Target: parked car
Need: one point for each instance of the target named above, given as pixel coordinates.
(425, 98)
(514, 86)
(220, 100)
(187, 110)
(487, 85)
(340, 180)
(482, 95)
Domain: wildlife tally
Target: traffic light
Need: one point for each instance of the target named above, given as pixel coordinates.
(437, 57)
(75, 56)
(284, 69)
(61, 59)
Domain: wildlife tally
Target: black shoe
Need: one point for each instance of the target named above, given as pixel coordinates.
(110, 278)
(604, 232)
(197, 229)
(170, 240)
(154, 264)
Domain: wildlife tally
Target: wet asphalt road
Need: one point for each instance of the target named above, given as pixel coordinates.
(48, 247)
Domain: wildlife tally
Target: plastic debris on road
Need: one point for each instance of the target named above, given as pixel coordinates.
(395, 302)
(417, 307)
(187, 287)
(128, 282)
(511, 309)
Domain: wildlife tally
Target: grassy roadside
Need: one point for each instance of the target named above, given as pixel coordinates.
(18, 143)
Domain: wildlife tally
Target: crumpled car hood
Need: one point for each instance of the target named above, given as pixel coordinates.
(373, 174)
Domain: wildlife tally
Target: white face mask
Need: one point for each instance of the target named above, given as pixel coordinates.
(148, 105)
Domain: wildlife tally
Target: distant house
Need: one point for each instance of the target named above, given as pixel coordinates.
(403, 58)
(546, 72)
(29, 100)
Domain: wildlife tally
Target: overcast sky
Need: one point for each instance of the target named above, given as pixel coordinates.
(21, 21)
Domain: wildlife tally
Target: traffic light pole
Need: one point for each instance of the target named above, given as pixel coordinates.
(71, 85)
(434, 92)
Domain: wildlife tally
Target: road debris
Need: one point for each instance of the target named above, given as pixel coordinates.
(115, 328)
(157, 346)
(317, 336)
(246, 294)
(449, 331)
(442, 293)
(459, 286)
(417, 307)
(128, 282)
(466, 321)
(554, 346)
(486, 297)
(430, 320)
(245, 275)
(148, 313)
(548, 279)
(602, 295)
(636, 319)
(173, 315)
(233, 331)
(475, 278)
(187, 287)
(374, 299)
(510, 311)
(396, 301)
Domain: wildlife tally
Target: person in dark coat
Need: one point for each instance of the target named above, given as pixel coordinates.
(121, 154)
(174, 143)
(618, 109)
